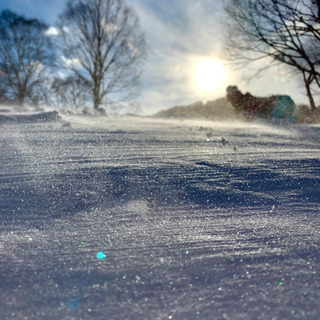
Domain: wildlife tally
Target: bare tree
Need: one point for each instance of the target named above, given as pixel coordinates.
(281, 31)
(68, 92)
(102, 44)
(25, 49)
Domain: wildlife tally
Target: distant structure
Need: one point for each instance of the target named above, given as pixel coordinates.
(278, 107)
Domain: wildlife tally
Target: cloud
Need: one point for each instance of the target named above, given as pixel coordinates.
(109, 28)
(52, 31)
(74, 62)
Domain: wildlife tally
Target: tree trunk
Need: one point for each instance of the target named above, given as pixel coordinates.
(96, 92)
(21, 98)
(311, 100)
(96, 100)
(307, 83)
(96, 104)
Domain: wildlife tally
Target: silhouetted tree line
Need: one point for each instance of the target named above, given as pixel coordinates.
(92, 58)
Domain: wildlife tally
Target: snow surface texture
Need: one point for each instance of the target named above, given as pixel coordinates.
(28, 117)
(128, 218)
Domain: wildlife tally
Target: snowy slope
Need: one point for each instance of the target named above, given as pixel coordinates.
(196, 220)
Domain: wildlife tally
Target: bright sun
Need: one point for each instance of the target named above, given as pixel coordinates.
(209, 74)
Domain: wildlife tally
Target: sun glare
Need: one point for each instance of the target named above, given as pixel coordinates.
(210, 74)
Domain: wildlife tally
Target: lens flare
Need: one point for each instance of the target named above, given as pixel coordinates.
(100, 255)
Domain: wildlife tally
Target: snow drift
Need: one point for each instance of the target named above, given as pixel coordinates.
(6, 116)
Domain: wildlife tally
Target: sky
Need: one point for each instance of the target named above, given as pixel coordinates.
(184, 40)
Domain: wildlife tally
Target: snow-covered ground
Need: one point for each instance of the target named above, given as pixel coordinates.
(192, 220)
